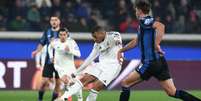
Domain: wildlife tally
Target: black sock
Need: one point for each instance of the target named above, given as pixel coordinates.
(185, 96)
(54, 96)
(40, 95)
(125, 94)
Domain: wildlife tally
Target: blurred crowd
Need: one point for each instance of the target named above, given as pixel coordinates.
(179, 16)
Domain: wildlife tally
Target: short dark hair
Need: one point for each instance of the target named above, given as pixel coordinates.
(63, 30)
(55, 15)
(143, 5)
(97, 29)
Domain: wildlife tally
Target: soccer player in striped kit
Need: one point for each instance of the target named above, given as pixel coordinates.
(48, 70)
(153, 62)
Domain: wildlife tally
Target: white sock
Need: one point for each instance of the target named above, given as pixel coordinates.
(79, 95)
(77, 86)
(92, 95)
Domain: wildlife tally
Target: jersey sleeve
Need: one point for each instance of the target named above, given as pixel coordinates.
(43, 39)
(74, 49)
(94, 54)
(51, 48)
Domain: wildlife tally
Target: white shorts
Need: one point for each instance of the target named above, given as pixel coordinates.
(65, 71)
(105, 72)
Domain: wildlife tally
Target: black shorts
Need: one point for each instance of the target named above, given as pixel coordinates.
(49, 70)
(158, 69)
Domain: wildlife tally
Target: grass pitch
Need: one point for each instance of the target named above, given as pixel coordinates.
(151, 95)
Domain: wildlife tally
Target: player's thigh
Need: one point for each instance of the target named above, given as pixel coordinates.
(108, 74)
(87, 78)
(132, 79)
(168, 86)
(98, 85)
(45, 80)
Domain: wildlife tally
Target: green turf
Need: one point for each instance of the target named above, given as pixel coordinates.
(103, 96)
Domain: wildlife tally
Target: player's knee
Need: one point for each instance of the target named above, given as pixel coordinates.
(87, 79)
(65, 80)
(98, 85)
(44, 82)
(83, 79)
(124, 83)
(171, 93)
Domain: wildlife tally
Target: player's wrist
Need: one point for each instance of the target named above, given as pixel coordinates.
(121, 50)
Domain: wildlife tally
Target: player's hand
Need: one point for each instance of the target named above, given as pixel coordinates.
(66, 49)
(120, 57)
(159, 50)
(52, 60)
(33, 54)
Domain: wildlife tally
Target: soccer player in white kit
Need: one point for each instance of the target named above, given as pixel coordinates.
(106, 46)
(65, 48)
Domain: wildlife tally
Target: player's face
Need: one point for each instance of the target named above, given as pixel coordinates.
(98, 37)
(55, 22)
(63, 35)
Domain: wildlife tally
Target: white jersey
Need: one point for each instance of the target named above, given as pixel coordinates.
(106, 50)
(64, 60)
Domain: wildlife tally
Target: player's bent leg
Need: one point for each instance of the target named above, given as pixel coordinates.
(87, 78)
(41, 91)
(57, 89)
(132, 79)
(79, 95)
(168, 86)
(170, 89)
(94, 92)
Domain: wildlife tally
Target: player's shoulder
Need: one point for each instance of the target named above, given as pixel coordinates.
(113, 34)
(55, 41)
(70, 39)
(48, 29)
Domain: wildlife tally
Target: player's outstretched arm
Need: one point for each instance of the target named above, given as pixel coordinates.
(89, 60)
(129, 46)
(38, 49)
(40, 45)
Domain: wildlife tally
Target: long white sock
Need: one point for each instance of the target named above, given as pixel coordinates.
(92, 95)
(79, 95)
(77, 86)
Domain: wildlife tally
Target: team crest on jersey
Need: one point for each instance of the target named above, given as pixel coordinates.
(49, 36)
(148, 21)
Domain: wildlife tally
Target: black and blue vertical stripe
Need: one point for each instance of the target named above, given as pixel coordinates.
(147, 39)
(45, 40)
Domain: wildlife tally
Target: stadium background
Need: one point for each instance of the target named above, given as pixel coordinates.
(22, 23)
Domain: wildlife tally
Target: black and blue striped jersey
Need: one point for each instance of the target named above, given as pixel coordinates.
(48, 35)
(146, 39)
